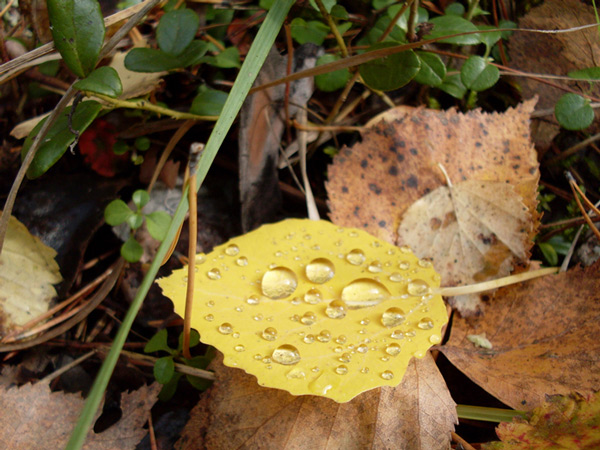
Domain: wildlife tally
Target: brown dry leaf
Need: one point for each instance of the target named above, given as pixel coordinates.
(237, 413)
(545, 339)
(35, 417)
(570, 51)
(372, 185)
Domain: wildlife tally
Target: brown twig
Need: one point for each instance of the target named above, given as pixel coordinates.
(587, 218)
(456, 438)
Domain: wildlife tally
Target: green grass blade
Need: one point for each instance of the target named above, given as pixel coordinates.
(487, 414)
(254, 60)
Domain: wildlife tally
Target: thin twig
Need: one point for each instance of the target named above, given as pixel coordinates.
(576, 191)
(333, 27)
(181, 368)
(57, 373)
(456, 438)
(313, 212)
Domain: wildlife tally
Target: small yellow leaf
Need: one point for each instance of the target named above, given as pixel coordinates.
(27, 273)
(313, 308)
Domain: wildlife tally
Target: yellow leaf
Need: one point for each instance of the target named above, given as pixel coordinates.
(27, 273)
(313, 308)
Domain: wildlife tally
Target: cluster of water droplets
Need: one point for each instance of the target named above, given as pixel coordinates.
(280, 283)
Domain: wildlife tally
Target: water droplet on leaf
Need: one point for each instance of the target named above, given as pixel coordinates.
(269, 334)
(364, 292)
(309, 318)
(392, 317)
(232, 250)
(214, 274)
(341, 370)
(242, 261)
(225, 328)
(356, 257)
(387, 375)
(279, 282)
(393, 349)
(418, 288)
(425, 323)
(336, 310)
(286, 354)
(313, 296)
(320, 270)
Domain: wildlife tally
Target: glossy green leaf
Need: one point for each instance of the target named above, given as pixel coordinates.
(208, 102)
(157, 223)
(135, 221)
(402, 22)
(433, 69)
(591, 73)
(176, 30)
(194, 339)
(455, 9)
(193, 53)
(549, 253)
(131, 250)
(164, 368)
(447, 25)
(373, 35)
(142, 143)
(78, 30)
(478, 74)
(158, 342)
(117, 212)
(311, 31)
(140, 198)
(491, 37)
(169, 389)
(507, 24)
(120, 147)
(339, 12)
(59, 137)
(328, 4)
(378, 4)
(201, 384)
(150, 60)
(573, 112)
(227, 59)
(390, 72)
(331, 81)
(104, 80)
(453, 86)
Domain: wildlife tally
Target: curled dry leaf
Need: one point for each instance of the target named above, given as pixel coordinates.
(27, 274)
(313, 308)
(372, 185)
(237, 413)
(544, 336)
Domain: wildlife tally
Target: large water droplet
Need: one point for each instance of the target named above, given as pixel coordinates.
(242, 261)
(392, 317)
(309, 318)
(313, 296)
(364, 292)
(418, 288)
(375, 267)
(320, 270)
(341, 369)
(296, 374)
(387, 375)
(336, 310)
(214, 274)
(356, 257)
(279, 282)
(269, 334)
(286, 354)
(225, 328)
(232, 250)
(393, 349)
(425, 323)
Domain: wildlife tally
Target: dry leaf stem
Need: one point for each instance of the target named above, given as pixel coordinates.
(576, 190)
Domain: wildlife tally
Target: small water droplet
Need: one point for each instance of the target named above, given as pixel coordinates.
(341, 369)
(410, 334)
(308, 339)
(356, 257)
(258, 317)
(253, 300)
(405, 249)
(419, 354)
(242, 261)
(210, 303)
(397, 334)
(338, 349)
(336, 309)
(320, 270)
(258, 357)
(214, 274)
(362, 348)
(437, 277)
(200, 258)
(239, 309)
(365, 321)
(435, 339)
(279, 282)
(225, 328)
(393, 349)
(338, 243)
(307, 237)
(315, 369)
(364, 370)
(396, 277)
(418, 287)
(269, 334)
(341, 339)
(313, 296)
(404, 265)
(324, 336)
(353, 234)
(387, 375)
(384, 358)
(309, 318)
(364, 292)
(425, 263)
(425, 323)
(296, 374)
(316, 247)
(392, 317)
(239, 348)
(345, 358)
(209, 317)
(286, 354)
(267, 360)
(236, 334)
(295, 318)
(375, 267)
(232, 250)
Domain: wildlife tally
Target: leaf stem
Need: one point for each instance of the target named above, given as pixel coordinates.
(336, 33)
(486, 414)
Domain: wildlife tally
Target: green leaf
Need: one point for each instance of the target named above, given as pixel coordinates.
(489, 38)
(455, 9)
(142, 143)
(131, 250)
(59, 137)
(158, 342)
(140, 198)
(193, 53)
(390, 72)
(328, 4)
(176, 30)
(433, 69)
(78, 32)
(378, 4)
(573, 112)
(453, 85)
(331, 81)
(104, 80)
(150, 60)
(194, 339)
(447, 25)
(208, 102)
(377, 30)
(560, 244)
(478, 74)
(169, 389)
(591, 73)
(507, 24)
(120, 147)
(339, 12)
(135, 221)
(117, 212)
(402, 22)
(164, 368)
(549, 253)
(227, 59)
(311, 31)
(201, 384)
(157, 224)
